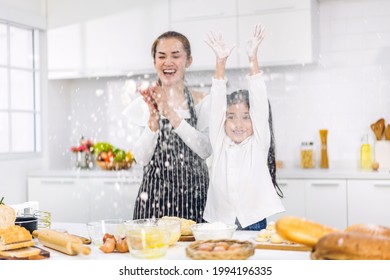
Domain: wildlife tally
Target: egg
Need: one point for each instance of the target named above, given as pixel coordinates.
(206, 247)
(375, 166)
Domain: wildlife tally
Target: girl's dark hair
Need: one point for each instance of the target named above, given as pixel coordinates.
(243, 96)
(172, 34)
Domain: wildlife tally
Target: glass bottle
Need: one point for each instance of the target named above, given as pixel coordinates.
(307, 155)
(365, 154)
(324, 148)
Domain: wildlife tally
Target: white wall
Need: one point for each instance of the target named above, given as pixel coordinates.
(14, 170)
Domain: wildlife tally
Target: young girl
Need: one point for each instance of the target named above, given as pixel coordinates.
(242, 190)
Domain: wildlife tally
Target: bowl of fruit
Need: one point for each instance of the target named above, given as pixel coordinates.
(109, 157)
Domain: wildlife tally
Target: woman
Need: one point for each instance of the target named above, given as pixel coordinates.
(174, 142)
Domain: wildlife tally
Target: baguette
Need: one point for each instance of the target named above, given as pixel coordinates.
(370, 229)
(351, 246)
(301, 231)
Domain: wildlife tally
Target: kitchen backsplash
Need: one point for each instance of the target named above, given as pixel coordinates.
(346, 91)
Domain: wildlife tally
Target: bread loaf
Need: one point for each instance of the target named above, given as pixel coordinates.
(7, 215)
(14, 234)
(370, 229)
(21, 253)
(301, 231)
(351, 246)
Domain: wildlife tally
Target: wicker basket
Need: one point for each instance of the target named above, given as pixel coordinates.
(245, 250)
(113, 165)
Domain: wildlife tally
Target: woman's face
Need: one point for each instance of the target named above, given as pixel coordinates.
(171, 61)
(238, 124)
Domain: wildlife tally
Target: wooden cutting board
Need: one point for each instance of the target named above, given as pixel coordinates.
(187, 238)
(282, 246)
(43, 254)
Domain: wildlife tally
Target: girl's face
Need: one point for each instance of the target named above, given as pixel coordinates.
(238, 124)
(171, 61)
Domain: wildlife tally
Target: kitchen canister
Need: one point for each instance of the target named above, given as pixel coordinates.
(382, 154)
(324, 163)
(307, 155)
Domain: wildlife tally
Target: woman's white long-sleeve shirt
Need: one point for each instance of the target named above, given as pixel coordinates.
(195, 138)
(240, 183)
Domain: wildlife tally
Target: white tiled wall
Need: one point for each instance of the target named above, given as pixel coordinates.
(346, 91)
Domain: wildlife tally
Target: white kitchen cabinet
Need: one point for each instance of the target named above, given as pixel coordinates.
(293, 198)
(84, 199)
(193, 20)
(112, 199)
(65, 198)
(326, 202)
(322, 201)
(117, 43)
(368, 202)
(290, 31)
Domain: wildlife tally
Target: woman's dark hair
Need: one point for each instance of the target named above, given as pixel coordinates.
(172, 34)
(243, 96)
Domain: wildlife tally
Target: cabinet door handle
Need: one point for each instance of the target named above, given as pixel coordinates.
(120, 183)
(325, 184)
(383, 185)
(278, 62)
(203, 16)
(273, 10)
(282, 184)
(63, 182)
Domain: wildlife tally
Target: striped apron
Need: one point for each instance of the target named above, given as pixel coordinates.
(176, 180)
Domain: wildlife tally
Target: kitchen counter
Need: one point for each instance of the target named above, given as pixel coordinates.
(332, 173)
(134, 171)
(175, 252)
(283, 173)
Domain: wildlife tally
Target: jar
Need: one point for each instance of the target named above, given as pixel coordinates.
(307, 155)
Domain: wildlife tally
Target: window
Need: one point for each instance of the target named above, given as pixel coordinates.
(20, 115)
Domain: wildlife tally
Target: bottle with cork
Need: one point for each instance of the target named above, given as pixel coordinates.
(365, 154)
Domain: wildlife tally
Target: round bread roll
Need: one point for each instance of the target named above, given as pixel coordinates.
(301, 231)
(270, 226)
(351, 246)
(263, 236)
(276, 239)
(369, 229)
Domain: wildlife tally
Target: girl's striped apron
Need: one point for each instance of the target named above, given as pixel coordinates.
(176, 180)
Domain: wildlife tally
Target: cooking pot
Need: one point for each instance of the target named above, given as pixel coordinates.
(30, 222)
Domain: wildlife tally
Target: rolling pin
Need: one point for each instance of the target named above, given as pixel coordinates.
(62, 242)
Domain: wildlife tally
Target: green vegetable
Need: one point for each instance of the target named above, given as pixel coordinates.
(1, 201)
(101, 147)
(120, 155)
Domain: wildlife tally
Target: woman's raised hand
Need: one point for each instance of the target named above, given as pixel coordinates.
(217, 43)
(147, 94)
(254, 42)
